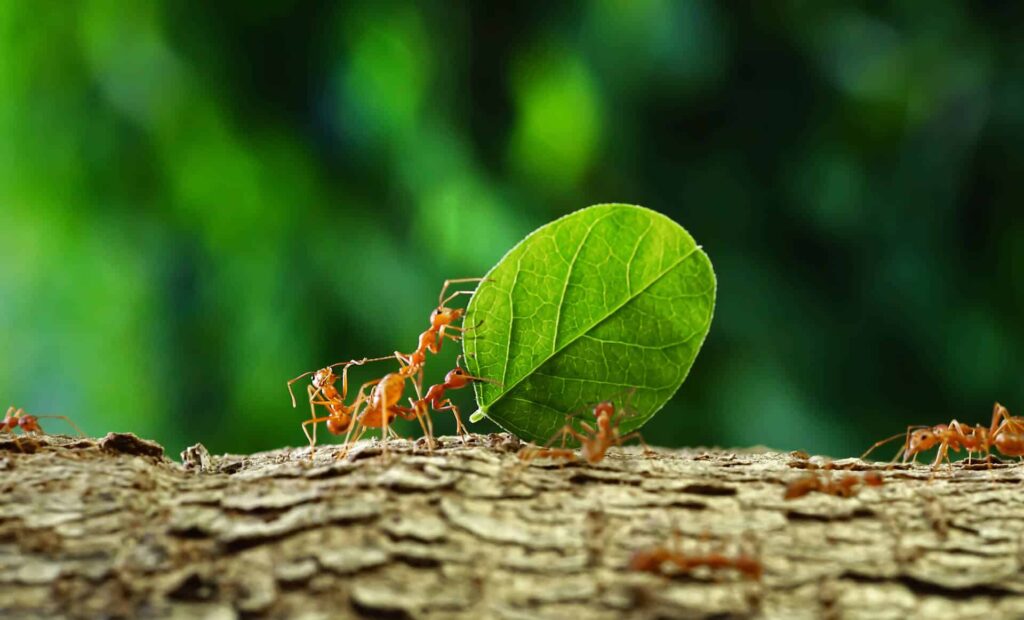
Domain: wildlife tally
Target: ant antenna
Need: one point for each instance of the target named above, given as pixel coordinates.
(879, 444)
(362, 361)
(62, 417)
(292, 394)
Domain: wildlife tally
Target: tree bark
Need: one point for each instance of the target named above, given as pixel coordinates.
(112, 528)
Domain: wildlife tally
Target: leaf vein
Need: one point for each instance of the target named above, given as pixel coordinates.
(632, 255)
(611, 313)
(602, 382)
(568, 278)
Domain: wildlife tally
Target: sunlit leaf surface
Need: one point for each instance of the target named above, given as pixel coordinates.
(610, 302)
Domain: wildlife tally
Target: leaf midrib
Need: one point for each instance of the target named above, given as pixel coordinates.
(568, 278)
(585, 330)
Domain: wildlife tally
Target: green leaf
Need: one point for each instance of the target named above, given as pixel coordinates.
(587, 308)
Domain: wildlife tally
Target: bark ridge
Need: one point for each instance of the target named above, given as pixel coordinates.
(111, 527)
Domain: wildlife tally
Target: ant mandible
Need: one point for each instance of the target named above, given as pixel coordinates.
(594, 442)
(16, 418)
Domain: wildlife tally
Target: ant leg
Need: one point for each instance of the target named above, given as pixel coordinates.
(428, 428)
(940, 454)
(289, 384)
(563, 454)
(636, 435)
(441, 299)
(443, 333)
(347, 446)
(344, 381)
(460, 428)
(312, 438)
(441, 302)
(356, 423)
(1000, 412)
(312, 414)
(529, 453)
(368, 384)
(385, 432)
(416, 412)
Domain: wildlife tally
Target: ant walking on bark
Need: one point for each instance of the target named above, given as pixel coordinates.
(1005, 434)
(16, 418)
(322, 391)
(661, 560)
(594, 442)
(846, 485)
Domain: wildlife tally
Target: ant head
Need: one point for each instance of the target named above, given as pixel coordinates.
(322, 377)
(604, 408)
(922, 439)
(28, 422)
(456, 375)
(442, 315)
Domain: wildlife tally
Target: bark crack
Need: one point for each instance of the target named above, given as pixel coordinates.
(111, 527)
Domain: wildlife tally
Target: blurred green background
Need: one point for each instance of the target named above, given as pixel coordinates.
(201, 200)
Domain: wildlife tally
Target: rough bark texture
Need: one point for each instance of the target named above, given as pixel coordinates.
(113, 528)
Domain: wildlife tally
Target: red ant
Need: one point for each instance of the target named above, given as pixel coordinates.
(656, 559)
(594, 442)
(442, 323)
(456, 379)
(1005, 431)
(16, 418)
(339, 418)
(382, 407)
(846, 486)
